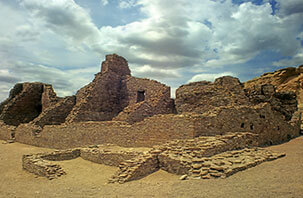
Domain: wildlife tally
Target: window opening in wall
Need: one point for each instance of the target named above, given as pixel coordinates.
(251, 127)
(140, 96)
(242, 125)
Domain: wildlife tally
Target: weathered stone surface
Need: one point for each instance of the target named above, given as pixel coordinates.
(40, 164)
(182, 155)
(284, 102)
(116, 64)
(199, 158)
(114, 91)
(110, 155)
(231, 163)
(259, 119)
(136, 168)
(200, 97)
(287, 79)
(49, 97)
(154, 130)
(98, 101)
(7, 132)
(156, 99)
(23, 104)
(56, 113)
(226, 106)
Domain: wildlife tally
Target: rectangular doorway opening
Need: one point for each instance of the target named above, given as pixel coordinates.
(140, 96)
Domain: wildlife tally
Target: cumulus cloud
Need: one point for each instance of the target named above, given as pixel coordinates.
(65, 18)
(290, 7)
(210, 77)
(7, 77)
(73, 79)
(49, 40)
(294, 61)
(155, 73)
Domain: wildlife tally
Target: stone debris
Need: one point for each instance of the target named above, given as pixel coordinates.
(136, 168)
(179, 155)
(228, 163)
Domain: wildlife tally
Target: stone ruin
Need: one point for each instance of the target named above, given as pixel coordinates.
(199, 158)
(210, 130)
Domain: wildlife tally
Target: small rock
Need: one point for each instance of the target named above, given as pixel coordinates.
(216, 174)
(203, 173)
(206, 177)
(10, 141)
(197, 166)
(183, 177)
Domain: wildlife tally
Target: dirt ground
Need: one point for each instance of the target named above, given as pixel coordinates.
(279, 178)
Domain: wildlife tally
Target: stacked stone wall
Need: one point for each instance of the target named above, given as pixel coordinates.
(55, 114)
(151, 131)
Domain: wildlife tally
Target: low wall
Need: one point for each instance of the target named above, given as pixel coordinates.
(40, 164)
(108, 156)
(199, 158)
(152, 131)
(6, 131)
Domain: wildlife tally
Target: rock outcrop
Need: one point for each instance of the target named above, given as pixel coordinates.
(287, 79)
(200, 97)
(288, 83)
(23, 104)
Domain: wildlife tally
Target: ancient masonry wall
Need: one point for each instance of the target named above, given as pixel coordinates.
(56, 114)
(259, 119)
(199, 158)
(114, 92)
(155, 99)
(7, 132)
(49, 97)
(144, 133)
(110, 155)
(40, 164)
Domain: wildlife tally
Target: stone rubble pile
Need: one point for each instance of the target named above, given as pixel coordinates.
(229, 163)
(136, 168)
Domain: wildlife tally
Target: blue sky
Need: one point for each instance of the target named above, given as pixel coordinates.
(62, 42)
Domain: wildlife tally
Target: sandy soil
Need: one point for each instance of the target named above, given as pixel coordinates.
(279, 178)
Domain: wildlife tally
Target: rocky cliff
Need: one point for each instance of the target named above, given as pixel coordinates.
(287, 79)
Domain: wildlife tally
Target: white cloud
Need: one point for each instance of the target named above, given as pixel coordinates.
(156, 73)
(65, 18)
(127, 3)
(104, 2)
(294, 61)
(290, 7)
(175, 36)
(210, 77)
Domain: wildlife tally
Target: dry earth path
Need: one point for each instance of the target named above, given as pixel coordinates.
(279, 178)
